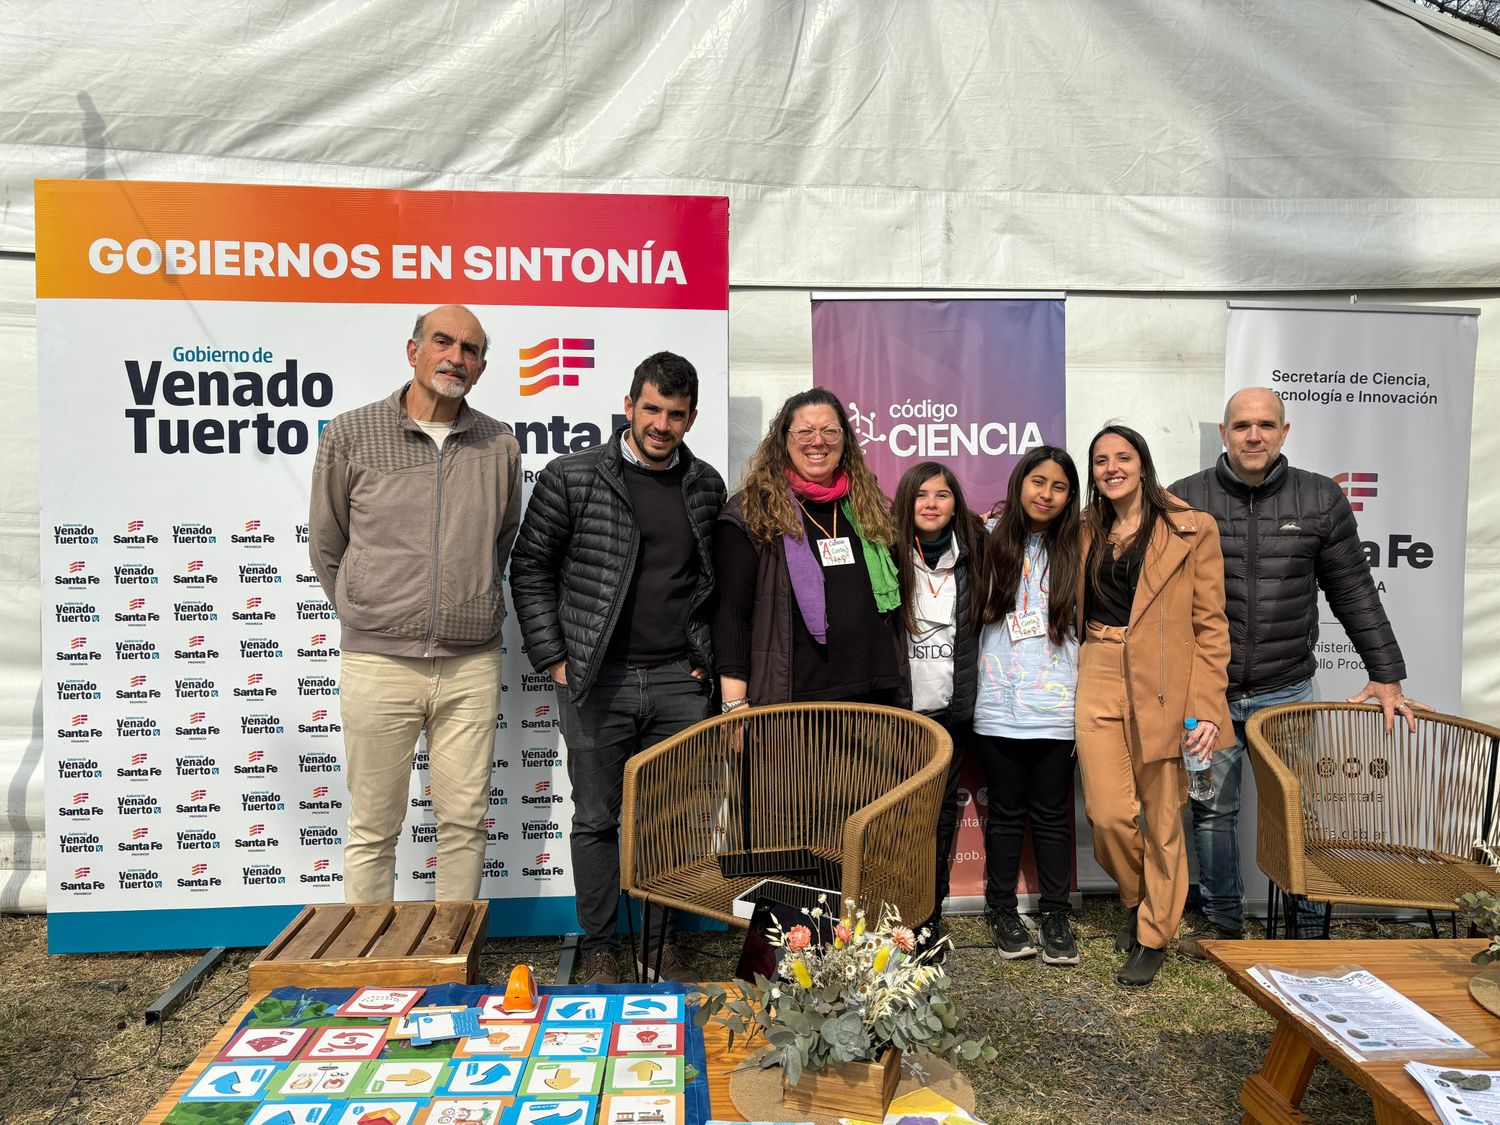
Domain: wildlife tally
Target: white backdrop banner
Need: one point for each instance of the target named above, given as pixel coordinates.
(1379, 398)
(192, 340)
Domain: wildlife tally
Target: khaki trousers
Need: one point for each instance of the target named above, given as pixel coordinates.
(1149, 860)
(386, 702)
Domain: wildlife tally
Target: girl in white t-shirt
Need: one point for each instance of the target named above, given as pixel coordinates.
(1023, 711)
(940, 552)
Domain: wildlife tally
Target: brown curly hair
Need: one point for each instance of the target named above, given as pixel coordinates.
(766, 508)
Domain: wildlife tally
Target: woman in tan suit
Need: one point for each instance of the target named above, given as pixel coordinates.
(1155, 652)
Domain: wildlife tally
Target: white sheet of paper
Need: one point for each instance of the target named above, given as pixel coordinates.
(1363, 1014)
(1455, 1105)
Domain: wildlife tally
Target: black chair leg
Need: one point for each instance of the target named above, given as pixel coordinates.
(646, 967)
(1432, 921)
(630, 923)
(652, 970)
(1272, 894)
(638, 966)
(1327, 919)
(1291, 922)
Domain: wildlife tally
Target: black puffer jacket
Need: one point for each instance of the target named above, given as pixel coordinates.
(966, 646)
(1282, 540)
(576, 551)
(960, 707)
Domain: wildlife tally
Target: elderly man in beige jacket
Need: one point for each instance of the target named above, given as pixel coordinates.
(416, 500)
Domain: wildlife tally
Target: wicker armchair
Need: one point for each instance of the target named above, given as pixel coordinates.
(1350, 815)
(856, 786)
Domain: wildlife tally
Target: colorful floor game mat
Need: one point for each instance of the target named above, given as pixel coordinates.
(451, 1055)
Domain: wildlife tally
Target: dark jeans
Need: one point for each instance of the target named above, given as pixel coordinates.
(1028, 779)
(1216, 822)
(626, 711)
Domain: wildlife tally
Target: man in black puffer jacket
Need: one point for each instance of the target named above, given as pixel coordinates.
(1285, 533)
(612, 579)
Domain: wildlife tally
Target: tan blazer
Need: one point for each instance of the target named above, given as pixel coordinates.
(1177, 642)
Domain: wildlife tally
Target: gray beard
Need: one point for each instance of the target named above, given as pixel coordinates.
(446, 389)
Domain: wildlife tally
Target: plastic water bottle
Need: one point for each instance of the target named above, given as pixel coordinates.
(1200, 773)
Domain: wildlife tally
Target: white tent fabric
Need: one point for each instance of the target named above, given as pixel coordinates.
(1148, 145)
(1150, 157)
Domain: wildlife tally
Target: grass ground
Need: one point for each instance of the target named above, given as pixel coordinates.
(1074, 1047)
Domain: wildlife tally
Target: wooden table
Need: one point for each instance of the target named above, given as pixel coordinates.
(721, 1064)
(715, 1042)
(1432, 974)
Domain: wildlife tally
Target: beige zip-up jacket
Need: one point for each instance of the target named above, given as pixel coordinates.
(410, 541)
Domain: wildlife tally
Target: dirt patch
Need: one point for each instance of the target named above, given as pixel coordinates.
(1074, 1047)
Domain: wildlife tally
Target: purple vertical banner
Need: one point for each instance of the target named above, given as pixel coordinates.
(971, 382)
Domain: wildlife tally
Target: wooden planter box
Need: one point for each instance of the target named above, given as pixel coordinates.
(338, 945)
(860, 1089)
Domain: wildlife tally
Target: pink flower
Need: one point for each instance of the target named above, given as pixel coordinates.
(798, 937)
(842, 932)
(903, 938)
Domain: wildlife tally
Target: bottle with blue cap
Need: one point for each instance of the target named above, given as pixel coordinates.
(1200, 772)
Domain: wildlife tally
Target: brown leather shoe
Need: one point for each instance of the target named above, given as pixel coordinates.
(600, 966)
(674, 966)
(1188, 943)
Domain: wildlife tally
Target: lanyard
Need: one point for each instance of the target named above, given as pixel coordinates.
(819, 526)
(927, 575)
(1026, 560)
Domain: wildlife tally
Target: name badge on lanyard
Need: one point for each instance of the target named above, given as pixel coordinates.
(1025, 625)
(1026, 622)
(836, 552)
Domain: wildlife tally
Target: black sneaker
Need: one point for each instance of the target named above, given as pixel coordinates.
(1188, 944)
(1059, 946)
(1125, 939)
(674, 965)
(1010, 935)
(600, 966)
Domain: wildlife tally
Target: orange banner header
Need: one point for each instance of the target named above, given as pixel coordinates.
(104, 239)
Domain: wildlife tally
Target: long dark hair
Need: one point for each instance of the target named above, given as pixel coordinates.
(1156, 502)
(1007, 547)
(968, 534)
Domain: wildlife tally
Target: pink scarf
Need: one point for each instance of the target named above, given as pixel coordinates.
(820, 493)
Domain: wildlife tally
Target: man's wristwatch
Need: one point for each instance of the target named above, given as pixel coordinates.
(733, 705)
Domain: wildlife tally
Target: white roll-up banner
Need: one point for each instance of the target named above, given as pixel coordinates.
(1380, 399)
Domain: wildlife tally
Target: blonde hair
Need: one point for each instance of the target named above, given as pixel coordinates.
(766, 508)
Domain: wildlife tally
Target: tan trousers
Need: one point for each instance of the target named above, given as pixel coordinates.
(1149, 860)
(386, 702)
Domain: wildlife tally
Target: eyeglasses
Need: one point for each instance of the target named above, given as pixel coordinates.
(832, 435)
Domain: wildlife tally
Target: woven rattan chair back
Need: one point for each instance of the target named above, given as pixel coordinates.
(1349, 814)
(855, 786)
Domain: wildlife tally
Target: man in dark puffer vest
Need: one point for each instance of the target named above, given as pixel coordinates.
(612, 579)
(1285, 533)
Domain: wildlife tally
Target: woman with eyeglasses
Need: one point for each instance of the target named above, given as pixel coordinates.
(808, 592)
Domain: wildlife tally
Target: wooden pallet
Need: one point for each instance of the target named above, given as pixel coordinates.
(332, 945)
